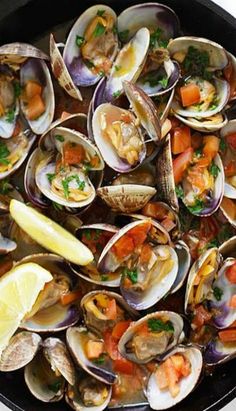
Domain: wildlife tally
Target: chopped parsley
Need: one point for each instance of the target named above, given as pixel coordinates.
(100, 13)
(17, 89)
(117, 68)
(197, 207)
(155, 37)
(59, 138)
(50, 177)
(66, 181)
(179, 191)
(4, 153)
(104, 277)
(213, 243)
(79, 41)
(87, 167)
(196, 63)
(89, 64)
(198, 152)
(87, 233)
(214, 169)
(55, 387)
(222, 144)
(154, 79)
(164, 82)
(218, 292)
(116, 93)
(99, 360)
(57, 206)
(5, 187)
(10, 115)
(131, 274)
(123, 35)
(99, 30)
(101, 73)
(157, 325)
(114, 29)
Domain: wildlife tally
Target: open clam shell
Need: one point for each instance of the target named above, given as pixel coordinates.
(9, 53)
(6, 245)
(228, 129)
(205, 125)
(150, 15)
(48, 315)
(126, 198)
(143, 348)
(81, 74)
(155, 283)
(106, 119)
(7, 125)
(76, 396)
(21, 349)
(225, 314)
(60, 71)
(95, 319)
(162, 399)
(184, 261)
(218, 352)
(42, 380)
(228, 208)
(77, 339)
(129, 61)
(205, 267)
(228, 248)
(100, 234)
(37, 70)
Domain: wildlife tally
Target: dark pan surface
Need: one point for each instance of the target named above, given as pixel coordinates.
(33, 23)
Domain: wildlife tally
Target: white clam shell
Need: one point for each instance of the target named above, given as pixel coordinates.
(229, 190)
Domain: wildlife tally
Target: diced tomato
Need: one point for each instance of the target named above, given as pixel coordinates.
(232, 302)
(73, 153)
(211, 145)
(70, 297)
(123, 247)
(161, 378)
(94, 349)
(126, 118)
(190, 94)
(124, 366)
(180, 164)
(172, 377)
(32, 88)
(196, 140)
(139, 233)
(151, 366)
(146, 253)
(174, 122)
(168, 224)
(228, 335)
(111, 345)
(65, 115)
(119, 329)
(111, 311)
(231, 140)
(154, 210)
(231, 273)
(229, 207)
(201, 316)
(180, 139)
(178, 362)
(230, 169)
(209, 228)
(35, 107)
(17, 129)
(94, 162)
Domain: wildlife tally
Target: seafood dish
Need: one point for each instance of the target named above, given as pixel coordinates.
(117, 211)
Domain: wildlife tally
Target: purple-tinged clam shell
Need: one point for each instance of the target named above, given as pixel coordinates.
(218, 352)
(184, 261)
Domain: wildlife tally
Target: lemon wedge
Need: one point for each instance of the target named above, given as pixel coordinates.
(49, 234)
(19, 289)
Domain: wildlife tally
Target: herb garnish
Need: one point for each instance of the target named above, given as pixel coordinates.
(59, 138)
(10, 115)
(179, 192)
(87, 233)
(116, 93)
(17, 89)
(196, 63)
(5, 187)
(157, 325)
(50, 177)
(154, 78)
(66, 181)
(79, 41)
(197, 207)
(222, 144)
(104, 277)
(214, 169)
(99, 360)
(4, 153)
(89, 64)
(57, 206)
(55, 387)
(117, 68)
(123, 35)
(218, 292)
(155, 37)
(100, 13)
(198, 152)
(131, 274)
(99, 30)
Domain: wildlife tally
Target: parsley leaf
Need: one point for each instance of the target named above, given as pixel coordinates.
(123, 35)
(100, 13)
(104, 277)
(99, 30)
(154, 78)
(87, 233)
(218, 292)
(5, 187)
(10, 115)
(163, 82)
(116, 93)
(17, 89)
(99, 360)
(222, 144)
(66, 181)
(212, 243)
(4, 153)
(196, 63)
(155, 37)
(55, 387)
(157, 325)
(214, 169)
(179, 191)
(131, 274)
(198, 152)
(57, 206)
(79, 41)
(89, 64)
(59, 138)
(50, 177)
(197, 207)
(117, 68)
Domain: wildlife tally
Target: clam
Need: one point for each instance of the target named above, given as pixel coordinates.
(126, 198)
(35, 71)
(218, 352)
(228, 208)
(230, 74)
(213, 90)
(7, 193)
(21, 349)
(61, 72)
(45, 376)
(96, 236)
(62, 178)
(94, 306)
(184, 261)
(162, 396)
(151, 336)
(200, 279)
(205, 125)
(160, 74)
(91, 45)
(9, 109)
(228, 248)
(228, 159)
(6, 245)
(16, 53)
(128, 64)
(145, 174)
(79, 341)
(88, 394)
(48, 314)
(225, 291)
